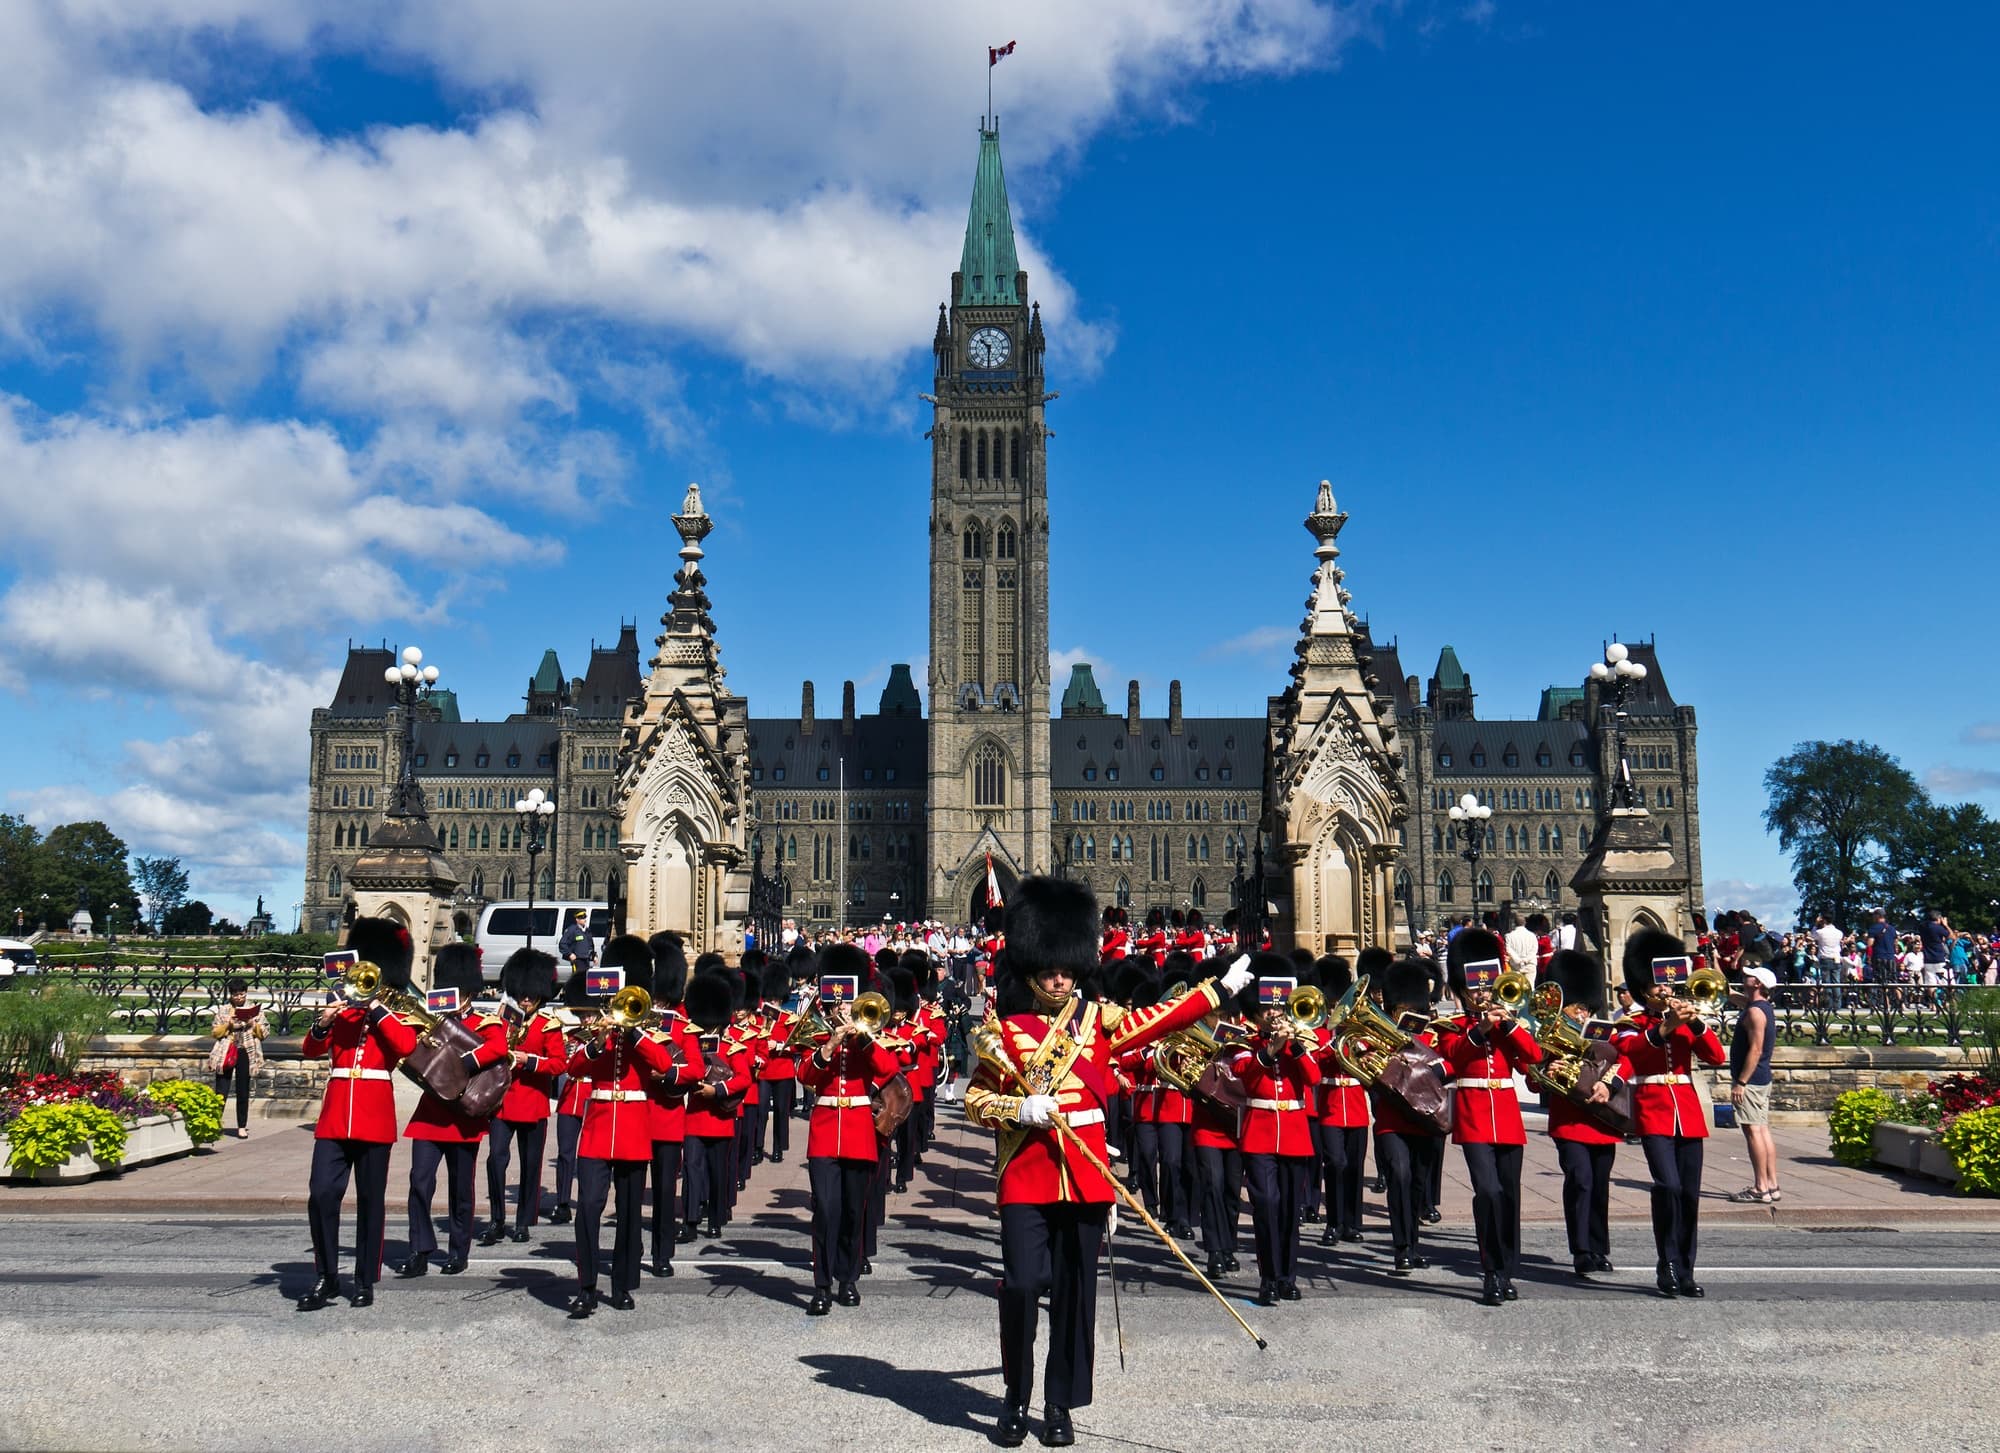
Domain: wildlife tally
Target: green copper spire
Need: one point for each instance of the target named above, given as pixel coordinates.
(988, 266)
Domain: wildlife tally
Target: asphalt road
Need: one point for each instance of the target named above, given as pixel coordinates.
(179, 1333)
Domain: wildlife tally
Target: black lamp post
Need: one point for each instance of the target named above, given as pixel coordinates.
(1470, 816)
(1621, 673)
(413, 681)
(45, 913)
(536, 811)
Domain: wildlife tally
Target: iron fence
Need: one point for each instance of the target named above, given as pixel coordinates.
(176, 995)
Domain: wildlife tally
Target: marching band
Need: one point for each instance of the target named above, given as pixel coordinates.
(1212, 1068)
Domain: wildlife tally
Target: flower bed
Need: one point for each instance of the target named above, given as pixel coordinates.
(1949, 1131)
(71, 1127)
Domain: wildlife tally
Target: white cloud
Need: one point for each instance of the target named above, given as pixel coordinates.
(1775, 905)
(1961, 781)
(1261, 641)
(1983, 732)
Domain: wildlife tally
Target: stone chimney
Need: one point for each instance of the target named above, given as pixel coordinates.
(847, 708)
(806, 707)
(1132, 708)
(1174, 708)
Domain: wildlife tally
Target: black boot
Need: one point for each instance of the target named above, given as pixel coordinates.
(1402, 1266)
(1507, 1292)
(1057, 1431)
(848, 1296)
(559, 1216)
(323, 1291)
(583, 1303)
(495, 1234)
(686, 1234)
(820, 1304)
(364, 1294)
(1687, 1286)
(1489, 1292)
(1012, 1429)
(413, 1266)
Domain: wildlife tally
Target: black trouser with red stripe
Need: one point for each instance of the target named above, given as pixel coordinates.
(1342, 1151)
(333, 1163)
(708, 1185)
(1496, 1205)
(779, 1097)
(840, 1194)
(1586, 1197)
(1675, 1161)
(1406, 1162)
(666, 1191)
(569, 1129)
(460, 1160)
(533, 1136)
(1221, 1168)
(1054, 1249)
(596, 1181)
(1276, 1182)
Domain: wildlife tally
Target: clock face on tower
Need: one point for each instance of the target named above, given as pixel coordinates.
(988, 348)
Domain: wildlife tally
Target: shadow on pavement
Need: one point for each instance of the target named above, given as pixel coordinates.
(943, 1398)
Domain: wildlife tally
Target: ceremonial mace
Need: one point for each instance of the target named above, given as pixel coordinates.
(990, 1045)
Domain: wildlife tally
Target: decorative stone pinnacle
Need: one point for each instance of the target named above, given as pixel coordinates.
(1324, 523)
(693, 523)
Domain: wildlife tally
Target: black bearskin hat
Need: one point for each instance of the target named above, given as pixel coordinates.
(529, 974)
(903, 991)
(1471, 946)
(1127, 978)
(799, 962)
(709, 962)
(574, 994)
(886, 957)
(752, 963)
(1373, 962)
(1640, 951)
(1177, 966)
(1406, 984)
(845, 958)
(1335, 977)
(1051, 924)
(1155, 918)
(384, 943)
(670, 968)
(774, 982)
(1581, 977)
(708, 998)
(634, 955)
(739, 986)
(1146, 989)
(921, 968)
(457, 967)
(1177, 919)
(1194, 919)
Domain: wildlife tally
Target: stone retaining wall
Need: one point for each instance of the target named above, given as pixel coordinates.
(143, 1058)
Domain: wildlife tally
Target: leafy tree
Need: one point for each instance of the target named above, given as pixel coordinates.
(1947, 856)
(1836, 806)
(163, 882)
(82, 861)
(189, 920)
(20, 847)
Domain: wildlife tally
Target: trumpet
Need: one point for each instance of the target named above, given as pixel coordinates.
(362, 985)
(629, 1008)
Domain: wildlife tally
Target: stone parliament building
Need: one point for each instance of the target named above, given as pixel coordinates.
(670, 794)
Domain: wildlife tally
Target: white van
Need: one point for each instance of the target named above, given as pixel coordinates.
(17, 960)
(503, 928)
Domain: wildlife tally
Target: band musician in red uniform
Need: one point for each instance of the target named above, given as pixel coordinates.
(1053, 1204)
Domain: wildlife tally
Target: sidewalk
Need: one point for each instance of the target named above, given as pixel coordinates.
(266, 1176)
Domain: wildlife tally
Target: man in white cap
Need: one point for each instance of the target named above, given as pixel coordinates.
(1750, 1081)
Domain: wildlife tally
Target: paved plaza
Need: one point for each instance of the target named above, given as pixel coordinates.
(1864, 1312)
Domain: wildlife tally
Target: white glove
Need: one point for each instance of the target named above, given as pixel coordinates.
(1111, 1224)
(1239, 976)
(1036, 1111)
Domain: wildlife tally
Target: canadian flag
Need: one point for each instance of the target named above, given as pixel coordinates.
(993, 879)
(994, 52)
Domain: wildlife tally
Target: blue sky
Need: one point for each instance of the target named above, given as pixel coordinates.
(325, 322)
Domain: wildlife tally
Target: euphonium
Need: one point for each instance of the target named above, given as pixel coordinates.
(1563, 1044)
(808, 1026)
(1181, 1057)
(1364, 1038)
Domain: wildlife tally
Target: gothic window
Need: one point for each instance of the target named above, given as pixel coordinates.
(1403, 888)
(1444, 759)
(972, 628)
(1552, 887)
(507, 884)
(478, 883)
(1478, 758)
(1198, 894)
(1556, 840)
(1582, 837)
(1510, 757)
(333, 883)
(364, 835)
(1004, 544)
(1510, 839)
(1445, 886)
(867, 846)
(1545, 837)
(1204, 847)
(1490, 836)
(340, 756)
(989, 777)
(1090, 848)
(548, 882)
(513, 759)
(975, 542)
(1482, 891)
(583, 884)
(1153, 870)
(1437, 839)
(1124, 892)
(965, 456)
(1667, 833)
(1576, 755)
(1014, 472)
(1519, 887)
(1666, 757)
(1542, 757)
(792, 849)
(1006, 658)
(340, 834)
(1190, 848)
(982, 455)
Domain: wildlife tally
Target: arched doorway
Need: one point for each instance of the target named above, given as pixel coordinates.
(976, 901)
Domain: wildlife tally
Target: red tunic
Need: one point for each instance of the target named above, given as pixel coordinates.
(1343, 1100)
(1146, 1086)
(1567, 1121)
(843, 1119)
(1485, 1108)
(779, 1063)
(532, 1090)
(1277, 1122)
(753, 1035)
(617, 1123)
(1153, 945)
(360, 1102)
(704, 1121)
(666, 1094)
(1664, 1101)
(1212, 1129)
(436, 1119)
(1038, 1166)
(1116, 943)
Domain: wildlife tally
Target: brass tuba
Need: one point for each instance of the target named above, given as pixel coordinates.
(1363, 1036)
(1180, 1057)
(1563, 1045)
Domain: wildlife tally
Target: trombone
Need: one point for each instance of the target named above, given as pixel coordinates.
(362, 985)
(1305, 1015)
(629, 1008)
